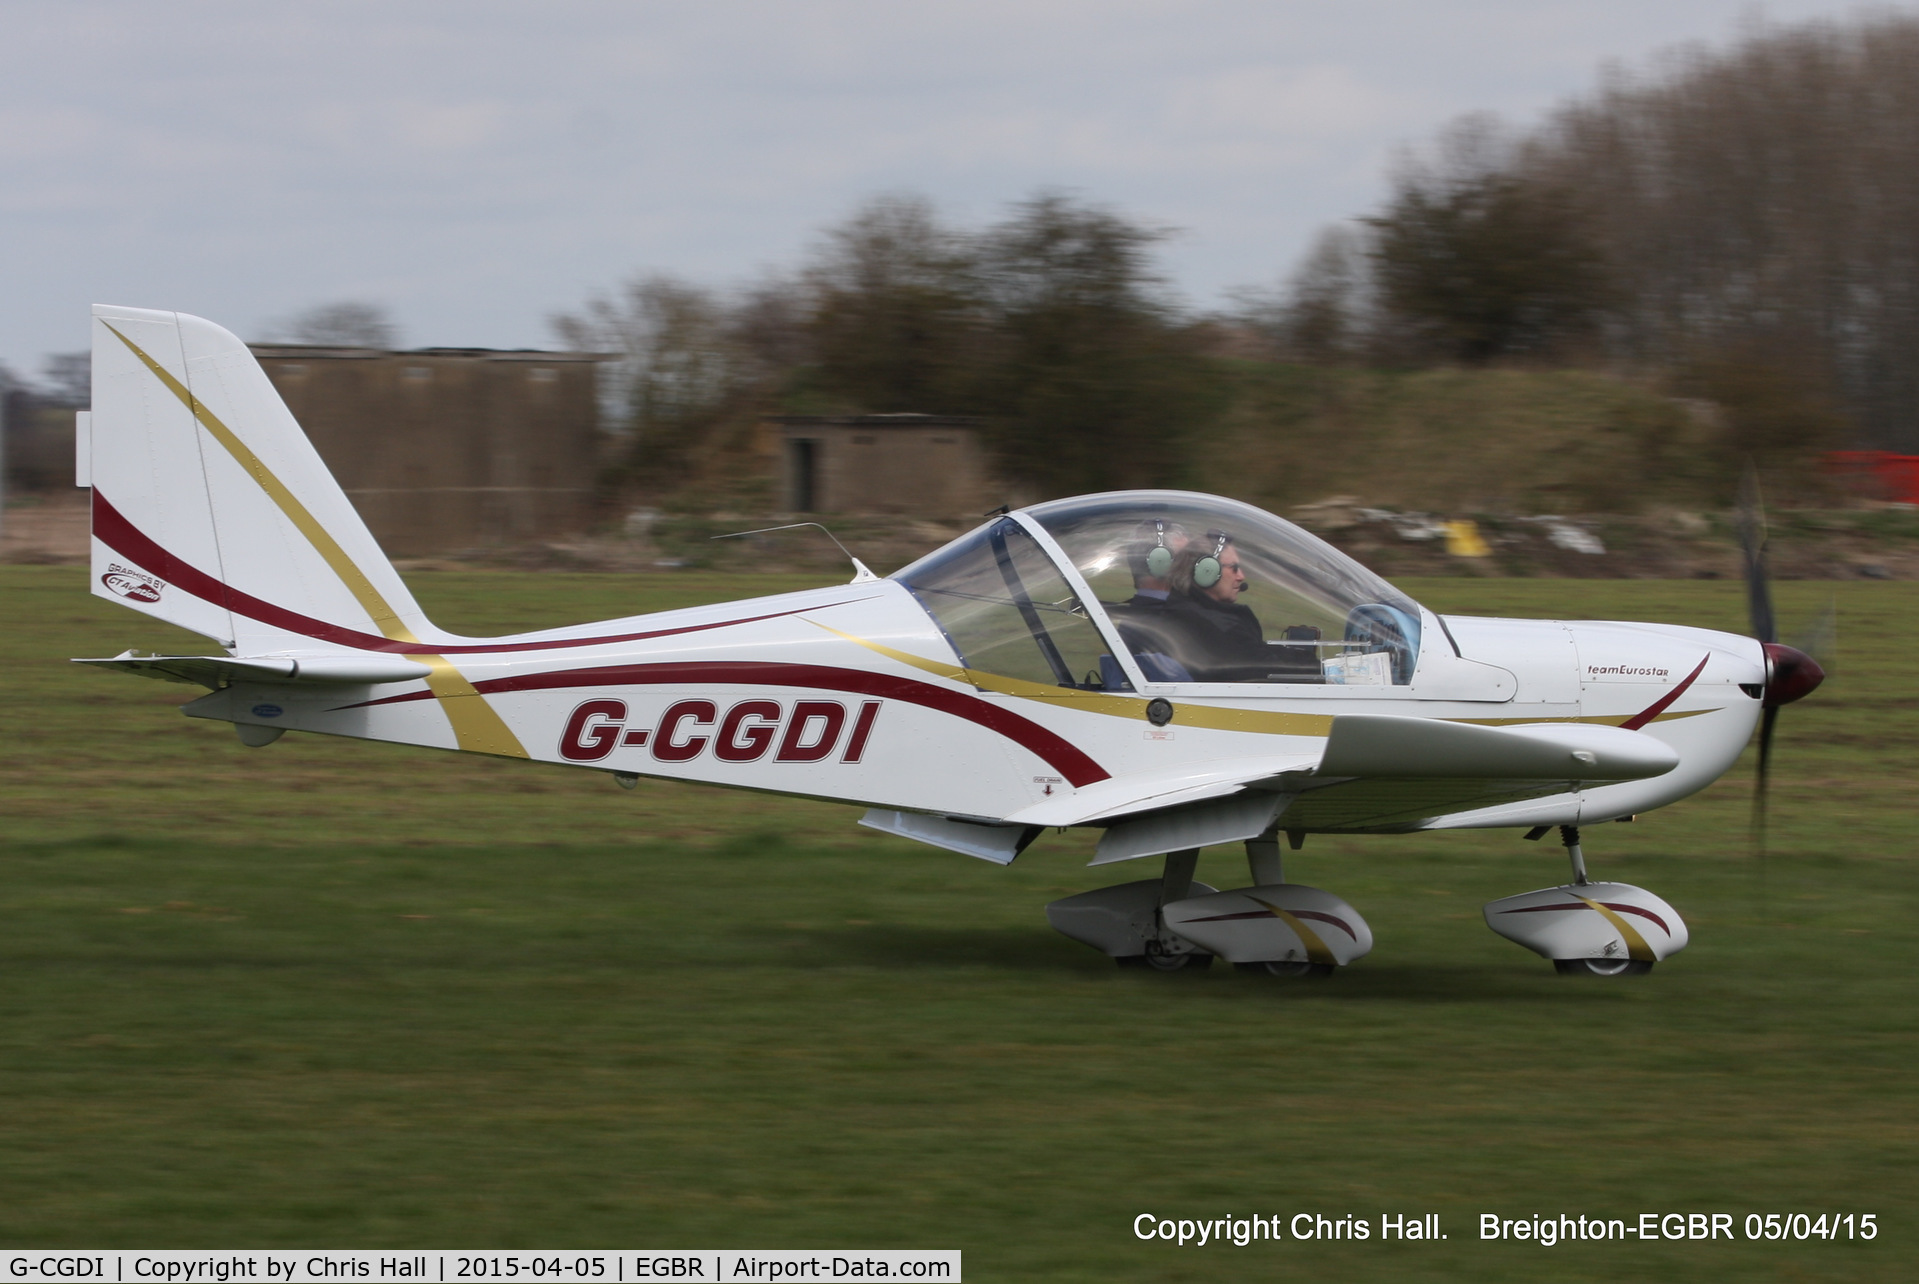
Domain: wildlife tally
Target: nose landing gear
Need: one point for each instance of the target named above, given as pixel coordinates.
(1588, 928)
(1601, 967)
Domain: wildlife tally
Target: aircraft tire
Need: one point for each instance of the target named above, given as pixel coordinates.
(1158, 962)
(1602, 967)
(1287, 969)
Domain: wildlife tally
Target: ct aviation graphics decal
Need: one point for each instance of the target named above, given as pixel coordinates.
(135, 586)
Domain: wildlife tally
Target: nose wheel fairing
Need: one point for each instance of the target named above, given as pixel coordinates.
(1607, 923)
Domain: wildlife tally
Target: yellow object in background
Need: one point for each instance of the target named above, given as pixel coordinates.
(1463, 540)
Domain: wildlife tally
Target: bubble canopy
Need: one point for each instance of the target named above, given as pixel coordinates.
(1194, 588)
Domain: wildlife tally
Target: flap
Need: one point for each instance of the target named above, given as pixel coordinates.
(997, 843)
(1383, 747)
(1151, 790)
(1228, 820)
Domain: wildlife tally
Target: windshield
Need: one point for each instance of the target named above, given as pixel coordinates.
(1203, 589)
(1007, 610)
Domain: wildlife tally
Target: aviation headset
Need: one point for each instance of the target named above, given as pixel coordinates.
(1160, 560)
(1207, 570)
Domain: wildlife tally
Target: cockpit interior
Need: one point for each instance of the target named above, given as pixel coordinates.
(1188, 588)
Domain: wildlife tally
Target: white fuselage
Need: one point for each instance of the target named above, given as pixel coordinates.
(854, 694)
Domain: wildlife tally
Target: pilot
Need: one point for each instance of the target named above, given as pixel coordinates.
(1215, 636)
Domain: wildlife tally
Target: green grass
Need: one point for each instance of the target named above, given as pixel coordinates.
(330, 993)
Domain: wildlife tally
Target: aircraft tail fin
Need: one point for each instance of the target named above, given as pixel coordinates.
(212, 510)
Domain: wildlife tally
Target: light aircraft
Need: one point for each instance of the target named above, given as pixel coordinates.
(1082, 663)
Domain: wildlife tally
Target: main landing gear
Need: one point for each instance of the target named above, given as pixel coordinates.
(1173, 923)
(1588, 928)
(1274, 928)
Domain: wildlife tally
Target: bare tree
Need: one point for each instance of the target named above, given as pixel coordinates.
(1764, 198)
(1475, 259)
(1323, 317)
(66, 378)
(1052, 325)
(1755, 204)
(771, 321)
(347, 324)
(37, 420)
(1095, 376)
(895, 309)
(681, 372)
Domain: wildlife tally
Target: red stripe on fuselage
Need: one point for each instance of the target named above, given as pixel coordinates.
(117, 533)
(1659, 706)
(1055, 750)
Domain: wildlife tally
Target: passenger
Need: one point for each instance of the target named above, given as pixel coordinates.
(1156, 545)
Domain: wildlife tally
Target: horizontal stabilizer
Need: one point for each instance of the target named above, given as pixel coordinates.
(217, 671)
(1383, 748)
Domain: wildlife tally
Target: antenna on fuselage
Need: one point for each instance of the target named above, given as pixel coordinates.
(861, 574)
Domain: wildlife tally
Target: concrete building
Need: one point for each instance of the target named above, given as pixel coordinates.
(36, 440)
(929, 465)
(450, 449)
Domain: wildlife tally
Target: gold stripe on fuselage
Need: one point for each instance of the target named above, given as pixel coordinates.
(1212, 717)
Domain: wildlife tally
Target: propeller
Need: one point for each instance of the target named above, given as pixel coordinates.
(1791, 674)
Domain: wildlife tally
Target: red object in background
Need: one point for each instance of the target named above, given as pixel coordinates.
(1877, 474)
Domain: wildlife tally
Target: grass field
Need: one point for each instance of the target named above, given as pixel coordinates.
(335, 994)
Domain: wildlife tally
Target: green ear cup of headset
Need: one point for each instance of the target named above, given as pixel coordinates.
(1206, 571)
(1159, 562)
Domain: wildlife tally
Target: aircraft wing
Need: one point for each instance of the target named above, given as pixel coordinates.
(1424, 748)
(217, 671)
(1380, 774)
(1375, 772)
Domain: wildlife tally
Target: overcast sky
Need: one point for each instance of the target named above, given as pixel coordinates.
(478, 165)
